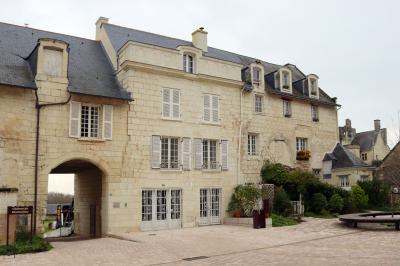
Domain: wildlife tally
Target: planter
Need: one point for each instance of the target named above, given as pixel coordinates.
(245, 221)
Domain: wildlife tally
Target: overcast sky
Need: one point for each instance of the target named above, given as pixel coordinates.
(353, 46)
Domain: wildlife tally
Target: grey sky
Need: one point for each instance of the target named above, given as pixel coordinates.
(353, 46)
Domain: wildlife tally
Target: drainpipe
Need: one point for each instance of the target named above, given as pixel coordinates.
(38, 107)
(240, 138)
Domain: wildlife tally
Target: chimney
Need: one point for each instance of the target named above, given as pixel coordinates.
(199, 39)
(377, 125)
(99, 23)
(348, 123)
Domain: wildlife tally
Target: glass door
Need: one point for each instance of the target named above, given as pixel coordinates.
(210, 206)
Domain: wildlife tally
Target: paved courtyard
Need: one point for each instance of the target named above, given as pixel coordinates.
(314, 242)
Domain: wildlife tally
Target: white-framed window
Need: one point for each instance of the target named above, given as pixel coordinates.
(364, 178)
(313, 87)
(287, 108)
(314, 113)
(258, 103)
(169, 153)
(252, 144)
(210, 154)
(301, 144)
(188, 63)
(344, 181)
(90, 121)
(286, 80)
(52, 62)
(256, 75)
(211, 108)
(147, 205)
(364, 156)
(171, 103)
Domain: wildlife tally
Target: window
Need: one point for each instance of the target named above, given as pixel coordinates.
(169, 153)
(211, 108)
(209, 154)
(316, 172)
(364, 156)
(258, 103)
(286, 80)
(52, 62)
(252, 144)
(256, 75)
(301, 144)
(344, 181)
(90, 121)
(188, 63)
(313, 87)
(147, 205)
(364, 178)
(287, 108)
(314, 113)
(171, 103)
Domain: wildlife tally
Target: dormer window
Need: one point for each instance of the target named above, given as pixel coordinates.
(52, 62)
(283, 80)
(188, 63)
(286, 80)
(256, 75)
(313, 89)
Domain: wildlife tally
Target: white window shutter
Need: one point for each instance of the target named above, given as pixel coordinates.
(207, 105)
(198, 154)
(155, 152)
(215, 109)
(74, 119)
(224, 154)
(176, 104)
(186, 152)
(166, 104)
(107, 121)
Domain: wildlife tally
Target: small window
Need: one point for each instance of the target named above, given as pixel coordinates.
(314, 113)
(256, 75)
(317, 172)
(364, 178)
(188, 63)
(209, 154)
(313, 87)
(364, 156)
(169, 153)
(301, 144)
(211, 108)
(286, 80)
(287, 108)
(258, 103)
(252, 144)
(90, 115)
(344, 181)
(52, 62)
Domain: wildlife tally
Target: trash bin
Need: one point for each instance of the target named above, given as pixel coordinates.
(262, 219)
(256, 219)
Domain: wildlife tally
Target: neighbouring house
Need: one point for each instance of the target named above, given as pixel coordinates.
(343, 168)
(389, 170)
(158, 131)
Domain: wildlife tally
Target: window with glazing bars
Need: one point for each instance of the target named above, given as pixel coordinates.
(169, 153)
(90, 121)
(301, 144)
(147, 205)
(251, 144)
(258, 103)
(188, 63)
(209, 154)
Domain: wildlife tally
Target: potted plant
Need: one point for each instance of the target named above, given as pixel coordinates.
(303, 155)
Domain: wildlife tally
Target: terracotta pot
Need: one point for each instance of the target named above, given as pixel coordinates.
(237, 214)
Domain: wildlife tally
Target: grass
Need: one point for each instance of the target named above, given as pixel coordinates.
(323, 214)
(278, 220)
(23, 245)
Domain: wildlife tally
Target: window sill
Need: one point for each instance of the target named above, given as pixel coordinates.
(211, 123)
(253, 158)
(170, 170)
(259, 113)
(171, 119)
(211, 170)
(288, 116)
(92, 140)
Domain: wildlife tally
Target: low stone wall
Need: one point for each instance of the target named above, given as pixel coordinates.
(8, 197)
(244, 221)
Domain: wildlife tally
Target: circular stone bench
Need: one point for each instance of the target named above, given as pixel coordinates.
(372, 217)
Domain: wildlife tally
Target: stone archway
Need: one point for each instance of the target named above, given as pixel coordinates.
(89, 195)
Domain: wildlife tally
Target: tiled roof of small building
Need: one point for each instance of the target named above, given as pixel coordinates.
(366, 140)
(89, 69)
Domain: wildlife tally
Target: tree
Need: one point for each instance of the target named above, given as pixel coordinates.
(336, 203)
(360, 198)
(56, 197)
(282, 205)
(319, 202)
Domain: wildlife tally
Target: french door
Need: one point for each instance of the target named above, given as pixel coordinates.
(161, 209)
(210, 206)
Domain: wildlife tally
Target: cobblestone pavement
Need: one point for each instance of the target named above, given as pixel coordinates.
(314, 242)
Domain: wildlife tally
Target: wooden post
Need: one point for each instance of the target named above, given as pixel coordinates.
(8, 225)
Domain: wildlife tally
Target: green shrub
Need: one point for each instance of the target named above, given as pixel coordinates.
(274, 173)
(336, 203)
(319, 202)
(23, 245)
(245, 199)
(349, 205)
(360, 198)
(282, 205)
(278, 220)
(378, 192)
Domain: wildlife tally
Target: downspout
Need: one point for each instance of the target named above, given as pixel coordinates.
(240, 138)
(38, 107)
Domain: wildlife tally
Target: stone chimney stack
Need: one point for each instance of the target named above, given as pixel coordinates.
(348, 123)
(199, 39)
(377, 125)
(99, 23)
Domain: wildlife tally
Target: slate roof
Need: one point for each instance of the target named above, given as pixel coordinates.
(89, 70)
(366, 140)
(343, 158)
(119, 36)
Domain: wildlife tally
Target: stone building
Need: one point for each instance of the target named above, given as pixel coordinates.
(389, 170)
(158, 131)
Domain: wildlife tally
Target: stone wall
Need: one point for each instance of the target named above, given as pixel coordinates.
(7, 198)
